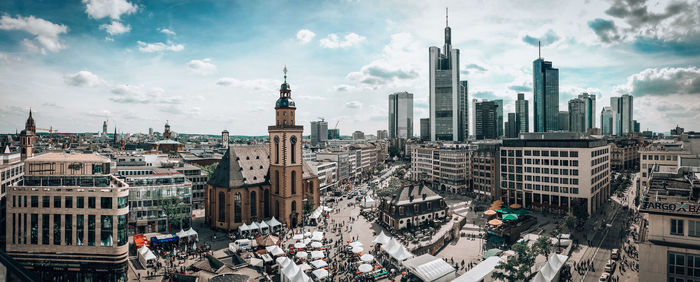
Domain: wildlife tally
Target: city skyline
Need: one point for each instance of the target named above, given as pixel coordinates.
(139, 64)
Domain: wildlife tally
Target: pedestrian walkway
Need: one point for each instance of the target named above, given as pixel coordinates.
(461, 208)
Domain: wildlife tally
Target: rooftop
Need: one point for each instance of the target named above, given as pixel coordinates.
(65, 157)
(673, 190)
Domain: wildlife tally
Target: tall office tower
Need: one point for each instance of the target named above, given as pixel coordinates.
(150, 131)
(607, 121)
(591, 112)
(636, 126)
(319, 133)
(464, 109)
(623, 107)
(333, 133)
(499, 119)
(382, 134)
(522, 114)
(563, 121)
(400, 115)
(358, 135)
(512, 126)
(577, 115)
(444, 87)
(104, 128)
(425, 129)
(546, 95)
(486, 120)
(224, 138)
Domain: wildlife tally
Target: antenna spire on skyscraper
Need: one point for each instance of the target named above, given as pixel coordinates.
(539, 49)
(447, 15)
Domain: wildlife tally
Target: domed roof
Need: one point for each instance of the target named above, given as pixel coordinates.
(285, 102)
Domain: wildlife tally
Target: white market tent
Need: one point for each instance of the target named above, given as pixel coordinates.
(316, 213)
(316, 244)
(430, 269)
(355, 244)
(243, 228)
(274, 250)
(317, 236)
(304, 267)
(317, 255)
(254, 226)
(551, 269)
(145, 256)
(263, 226)
(307, 241)
(327, 209)
(481, 271)
(293, 273)
(186, 234)
(273, 223)
(390, 245)
(302, 255)
(319, 263)
(299, 245)
(298, 236)
(401, 254)
(381, 239)
(256, 262)
(368, 202)
(283, 261)
(320, 273)
(307, 234)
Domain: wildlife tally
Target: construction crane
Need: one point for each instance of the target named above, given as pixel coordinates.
(50, 130)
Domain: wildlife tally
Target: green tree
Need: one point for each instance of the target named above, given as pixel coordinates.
(210, 169)
(542, 246)
(174, 209)
(394, 151)
(568, 224)
(579, 209)
(517, 267)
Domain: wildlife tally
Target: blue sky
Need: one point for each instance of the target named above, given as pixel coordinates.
(211, 65)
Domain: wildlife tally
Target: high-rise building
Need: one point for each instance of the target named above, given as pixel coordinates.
(563, 120)
(319, 133)
(224, 139)
(425, 129)
(358, 135)
(400, 115)
(546, 95)
(499, 118)
(577, 115)
(104, 128)
(636, 126)
(522, 113)
(333, 134)
(623, 107)
(486, 120)
(150, 131)
(607, 121)
(511, 126)
(447, 114)
(590, 109)
(464, 110)
(382, 134)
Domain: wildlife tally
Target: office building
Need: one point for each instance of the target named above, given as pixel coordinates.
(464, 112)
(444, 167)
(358, 135)
(511, 126)
(425, 129)
(319, 130)
(150, 131)
(333, 134)
(499, 117)
(590, 109)
(382, 134)
(546, 96)
(661, 152)
(636, 127)
(447, 106)
(577, 115)
(607, 121)
(486, 120)
(484, 159)
(522, 114)
(623, 108)
(68, 219)
(224, 139)
(559, 172)
(11, 172)
(563, 120)
(400, 115)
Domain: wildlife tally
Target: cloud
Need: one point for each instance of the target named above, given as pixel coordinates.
(46, 33)
(333, 41)
(377, 74)
(179, 110)
(258, 85)
(305, 36)
(472, 68)
(113, 9)
(353, 105)
(201, 67)
(520, 88)
(605, 29)
(83, 78)
(548, 38)
(167, 31)
(116, 28)
(662, 82)
(99, 113)
(137, 94)
(159, 47)
(313, 98)
(487, 95)
(342, 88)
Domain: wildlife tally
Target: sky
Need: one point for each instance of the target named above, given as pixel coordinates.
(206, 66)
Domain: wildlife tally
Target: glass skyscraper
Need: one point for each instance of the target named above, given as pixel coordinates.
(577, 115)
(522, 114)
(546, 96)
(589, 100)
(607, 121)
(401, 115)
(486, 120)
(623, 108)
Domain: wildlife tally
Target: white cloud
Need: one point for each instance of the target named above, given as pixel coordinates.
(258, 85)
(202, 67)
(353, 104)
(83, 78)
(398, 65)
(662, 82)
(116, 28)
(139, 94)
(46, 33)
(333, 41)
(159, 47)
(305, 36)
(113, 9)
(167, 31)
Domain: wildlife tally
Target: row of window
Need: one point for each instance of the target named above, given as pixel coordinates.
(25, 229)
(683, 267)
(677, 227)
(10, 173)
(659, 157)
(67, 202)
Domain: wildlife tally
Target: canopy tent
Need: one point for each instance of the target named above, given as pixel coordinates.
(364, 268)
(551, 269)
(390, 245)
(319, 263)
(516, 206)
(316, 213)
(273, 223)
(145, 256)
(510, 216)
(368, 202)
(164, 238)
(299, 245)
(402, 254)
(275, 250)
(317, 255)
(317, 236)
(430, 268)
(505, 210)
(283, 261)
(489, 212)
(327, 209)
(289, 271)
(480, 271)
(357, 250)
(320, 273)
(253, 226)
(302, 254)
(243, 228)
(495, 222)
(263, 226)
(298, 236)
(367, 258)
(316, 245)
(307, 234)
(187, 234)
(140, 240)
(491, 252)
(306, 241)
(256, 262)
(268, 240)
(355, 244)
(304, 267)
(381, 239)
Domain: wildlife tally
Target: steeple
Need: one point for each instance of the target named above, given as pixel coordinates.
(30, 125)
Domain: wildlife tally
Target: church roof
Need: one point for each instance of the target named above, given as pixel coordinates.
(242, 166)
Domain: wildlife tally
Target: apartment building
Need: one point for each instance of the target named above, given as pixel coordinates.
(67, 220)
(446, 167)
(327, 174)
(11, 172)
(484, 156)
(624, 154)
(661, 152)
(555, 171)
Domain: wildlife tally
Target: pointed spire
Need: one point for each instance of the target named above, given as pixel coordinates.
(284, 70)
(539, 49)
(447, 15)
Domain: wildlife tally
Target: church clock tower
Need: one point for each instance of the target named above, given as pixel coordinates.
(286, 169)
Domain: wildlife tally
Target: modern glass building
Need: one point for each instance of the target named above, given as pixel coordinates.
(623, 107)
(486, 120)
(401, 115)
(563, 120)
(319, 133)
(577, 115)
(590, 109)
(607, 121)
(499, 116)
(522, 114)
(546, 96)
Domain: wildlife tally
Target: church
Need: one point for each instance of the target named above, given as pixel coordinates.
(258, 182)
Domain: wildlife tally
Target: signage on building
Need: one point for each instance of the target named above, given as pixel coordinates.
(671, 207)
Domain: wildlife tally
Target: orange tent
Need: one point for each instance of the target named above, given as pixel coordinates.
(515, 206)
(140, 240)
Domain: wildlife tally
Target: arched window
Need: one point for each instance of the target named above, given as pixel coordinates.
(277, 182)
(294, 207)
(311, 187)
(294, 182)
(237, 210)
(277, 209)
(222, 207)
(293, 140)
(253, 205)
(277, 149)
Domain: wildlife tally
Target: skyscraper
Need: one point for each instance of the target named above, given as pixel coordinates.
(511, 127)
(104, 128)
(546, 95)
(319, 133)
(499, 118)
(401, 115)
(425, 129)
(636, 126)
(577, 115)
(486, 120)
(445, 91)
(607, 121)
(522, 114)
(563, 121)
(623, 107)
(464, 110)
(589, 100)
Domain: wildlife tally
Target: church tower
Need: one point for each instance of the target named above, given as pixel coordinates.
(28, 137)
(166, 131)
(286, 169)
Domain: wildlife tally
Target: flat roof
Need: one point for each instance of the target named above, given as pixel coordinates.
(73, 157)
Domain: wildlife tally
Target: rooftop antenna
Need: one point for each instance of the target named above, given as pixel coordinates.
(539, 49)
(446, 16)
(284, 70)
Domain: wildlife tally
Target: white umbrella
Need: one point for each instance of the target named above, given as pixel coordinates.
(319, 263)
(298, 237)
(316, 244)
(302, 254)
(317, 255)
(299, 245)
(327, 209)
(356, 250)
(307, 234)
(320, 273)
(355, 244)
(367, 258)
(364, 268)
(304, 267)
(307, 241)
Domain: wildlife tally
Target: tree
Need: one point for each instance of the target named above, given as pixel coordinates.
(568, 224)
(517, 267)
(210, 169)
(542, 246)
(394, 151)
(579, 209)
(172, 208)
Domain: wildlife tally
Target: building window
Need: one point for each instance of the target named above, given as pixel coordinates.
(677, 227)
(122, 238)
(69, 202)
(69, 230)
(57, 229)
(106, 237)
(683, 267)
(694, 228)
(106, 202)
(91, 202)
(45, 229)
(277, 150)
(81, 203)
(277, 182)
(237, 210)
(79, 229)
(253, 205)
(91, 230)
(35, 229)
(293, 140)
(122, 202)
(222, 207)
(294, 182)
(56, 201)
(45, 201)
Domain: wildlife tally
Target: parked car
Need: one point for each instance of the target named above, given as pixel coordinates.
(615, 254)
(610, 266)
(604, 277)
